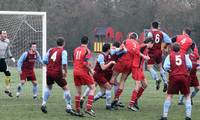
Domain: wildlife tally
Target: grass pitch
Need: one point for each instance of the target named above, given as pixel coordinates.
(25, 108)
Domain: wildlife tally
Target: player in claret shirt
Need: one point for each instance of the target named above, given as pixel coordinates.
(101, 76)
(178, 66)
(82, 71)
(155, 53)
(56, 61)
(25, 67)
(194, 56)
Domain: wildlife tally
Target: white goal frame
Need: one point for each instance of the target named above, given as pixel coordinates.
(44, 41)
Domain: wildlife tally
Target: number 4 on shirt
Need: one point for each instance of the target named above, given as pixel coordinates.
(53, 57)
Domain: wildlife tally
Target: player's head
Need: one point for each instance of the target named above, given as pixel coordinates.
(155, 25)
(133, 35)
(33, 46)
(3, 34)
(176, 47)
(187, 31)
(60, 41)
(149, 42)
(84, 40)
(106, 47)
(116, 44)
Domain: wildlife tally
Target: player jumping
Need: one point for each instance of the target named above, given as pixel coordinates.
(155, 53)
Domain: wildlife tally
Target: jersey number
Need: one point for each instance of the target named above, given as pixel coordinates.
(53, 57)
(78, 55)
(183, 41)
(178, 60)
(157, 38)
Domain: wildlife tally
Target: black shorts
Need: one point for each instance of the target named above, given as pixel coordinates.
(3, 65)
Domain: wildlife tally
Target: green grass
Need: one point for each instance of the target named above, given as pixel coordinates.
(26, 109)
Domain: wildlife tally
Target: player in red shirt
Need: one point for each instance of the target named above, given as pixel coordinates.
(124, 64)
(25, 67)
(194, 56)
(184, 40)
(56, 61)
(112, 54)
(138, 74)
(82, 71)
(155, 54)
(177, 64)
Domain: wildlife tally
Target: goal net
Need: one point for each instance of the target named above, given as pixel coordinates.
(24, 28)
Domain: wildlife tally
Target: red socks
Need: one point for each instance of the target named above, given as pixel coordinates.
(133, 97)
(90, 101)
(118, 93)
(141, 90)
(77, 103)
(136, 95)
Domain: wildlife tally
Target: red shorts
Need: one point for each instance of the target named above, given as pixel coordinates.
(155, 58)
(28, 75)
(123, 66)
(83, 78)
(53, 77)
(194, 81)
(138, 74)
(100, 78)
(179, 83)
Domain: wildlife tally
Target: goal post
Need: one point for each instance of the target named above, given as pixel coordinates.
(24, 27)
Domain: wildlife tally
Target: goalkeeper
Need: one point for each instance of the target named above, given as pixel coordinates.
(4, 52)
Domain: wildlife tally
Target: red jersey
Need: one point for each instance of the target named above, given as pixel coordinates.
(194, 58)
(29, 63)
(158, 39)
(55, 59)
(137, 59)
(81, 57)
(177, 64)
(196, 52)
(130, 46)
(185, 42)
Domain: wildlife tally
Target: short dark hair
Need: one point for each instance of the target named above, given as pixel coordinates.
(60, 41)
(155, 24)
(116, 44)
(187, 31)
(0, 31)
(106, 47)
(84, 40)
(33, 43)
(176, 47)
(148, 40)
